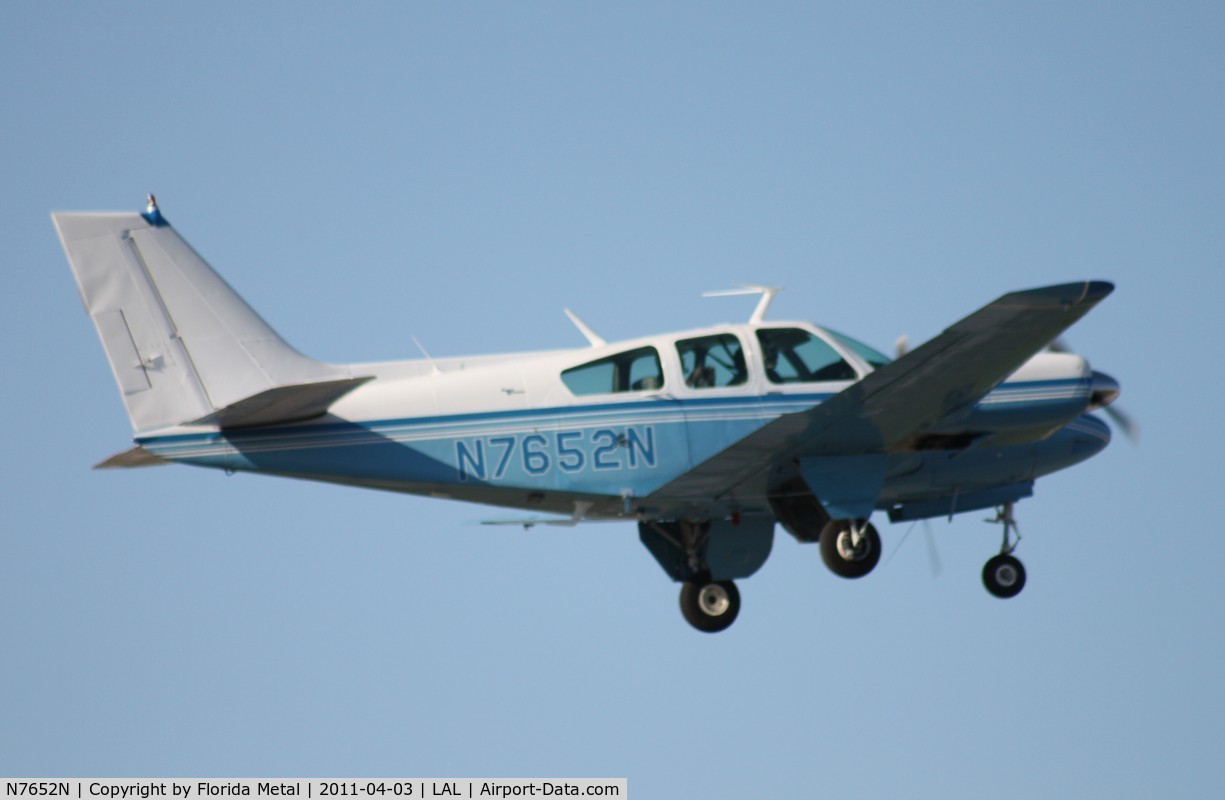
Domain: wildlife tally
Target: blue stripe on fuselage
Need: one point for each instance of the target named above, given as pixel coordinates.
(603, 447)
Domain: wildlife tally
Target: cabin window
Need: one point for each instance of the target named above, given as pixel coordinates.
(631, 371)
(875, 358)
(710, 362)
(792, 355)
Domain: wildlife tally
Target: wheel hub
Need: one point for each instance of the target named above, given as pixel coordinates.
(852, 546)
(1006, 575)
(713, 600)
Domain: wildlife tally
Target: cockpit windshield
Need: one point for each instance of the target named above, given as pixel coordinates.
(874, 357)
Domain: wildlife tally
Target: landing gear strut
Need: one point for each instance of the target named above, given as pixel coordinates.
(1004, 575)
(707, 604)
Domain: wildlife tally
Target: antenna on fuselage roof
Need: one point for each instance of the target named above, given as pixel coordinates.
(763, 305)
(596, 339)
(421, 347)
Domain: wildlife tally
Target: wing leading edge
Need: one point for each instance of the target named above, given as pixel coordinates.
(888, 409)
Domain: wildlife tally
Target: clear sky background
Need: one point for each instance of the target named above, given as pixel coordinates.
(459, 172)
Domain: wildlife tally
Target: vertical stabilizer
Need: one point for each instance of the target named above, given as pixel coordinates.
(182, 344)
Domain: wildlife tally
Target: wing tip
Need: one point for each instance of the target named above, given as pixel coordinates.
(1097, 290)
(138, 456)
(1067, 295)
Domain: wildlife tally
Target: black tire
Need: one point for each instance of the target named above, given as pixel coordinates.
(710, 606)
(843, 559)
(1004, 576)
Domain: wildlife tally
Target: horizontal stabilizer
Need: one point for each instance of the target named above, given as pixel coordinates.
(581, 507)
(282, 404)
(136, 457)
(531, 522)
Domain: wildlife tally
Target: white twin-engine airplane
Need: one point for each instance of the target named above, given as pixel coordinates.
(705, 438)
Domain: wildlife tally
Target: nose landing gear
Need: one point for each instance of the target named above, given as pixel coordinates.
(1004, 574)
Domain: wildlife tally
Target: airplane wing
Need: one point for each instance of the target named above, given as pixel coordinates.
(893, 406)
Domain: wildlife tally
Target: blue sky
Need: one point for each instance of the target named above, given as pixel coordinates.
(368, 173)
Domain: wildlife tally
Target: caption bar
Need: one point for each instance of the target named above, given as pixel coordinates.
(312, 789)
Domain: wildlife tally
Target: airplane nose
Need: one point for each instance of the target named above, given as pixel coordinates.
(1103, 391)
(1089, 436)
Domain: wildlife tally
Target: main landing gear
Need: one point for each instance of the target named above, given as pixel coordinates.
(1004, 575)
(689, 553)
(710, 606)
(850, 548)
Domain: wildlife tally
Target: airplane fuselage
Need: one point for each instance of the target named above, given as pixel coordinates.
(508, 430)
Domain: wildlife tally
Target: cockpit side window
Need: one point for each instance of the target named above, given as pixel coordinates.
(710, 362)
(631, 371)
(792, 355)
